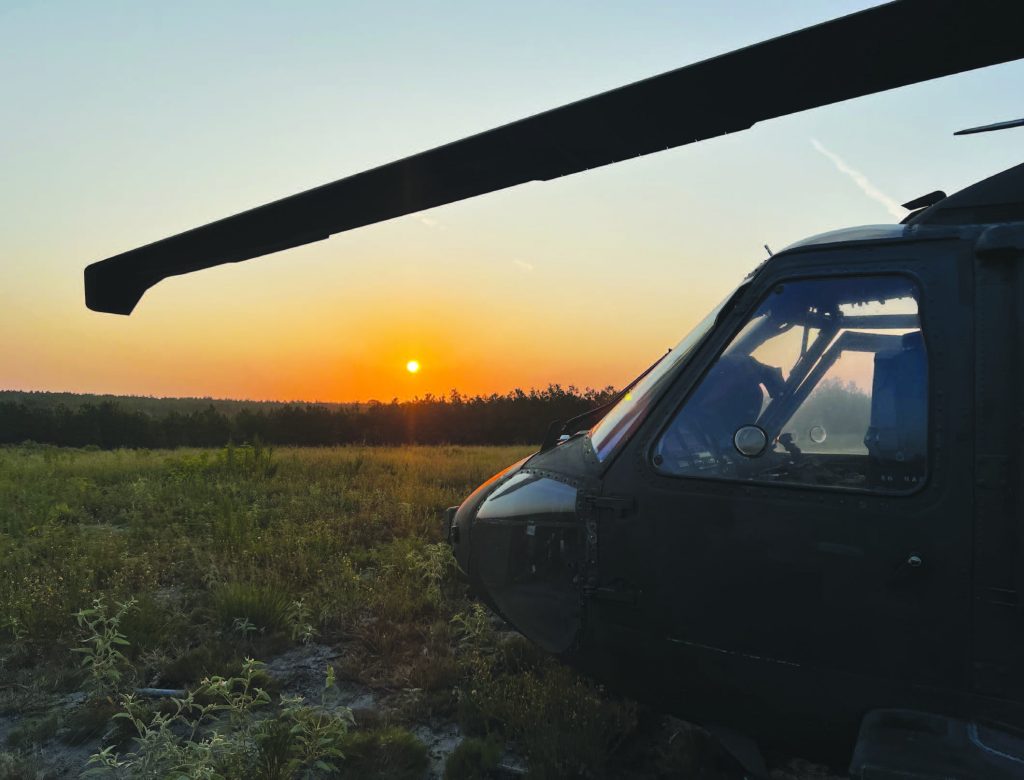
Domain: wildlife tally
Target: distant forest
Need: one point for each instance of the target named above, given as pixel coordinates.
(109, 422)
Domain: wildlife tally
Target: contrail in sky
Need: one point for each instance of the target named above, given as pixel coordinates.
(861, 181)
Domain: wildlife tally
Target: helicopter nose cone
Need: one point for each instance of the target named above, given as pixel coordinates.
(522, 545)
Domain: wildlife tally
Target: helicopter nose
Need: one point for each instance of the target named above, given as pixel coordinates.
(521, 544)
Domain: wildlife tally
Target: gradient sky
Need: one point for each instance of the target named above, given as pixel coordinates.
(125, 122)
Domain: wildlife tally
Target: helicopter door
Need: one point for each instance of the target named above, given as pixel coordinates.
(799, 506)
(999, 531)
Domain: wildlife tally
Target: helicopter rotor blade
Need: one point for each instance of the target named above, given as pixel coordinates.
(881, 48)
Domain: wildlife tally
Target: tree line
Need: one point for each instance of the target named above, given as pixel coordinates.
(517, 417)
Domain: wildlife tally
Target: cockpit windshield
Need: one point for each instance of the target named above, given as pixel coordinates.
(826, 384)
(623, 418)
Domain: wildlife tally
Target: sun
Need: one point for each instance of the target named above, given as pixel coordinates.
(413, 366)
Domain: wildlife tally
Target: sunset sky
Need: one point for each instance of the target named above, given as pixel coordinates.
(125, 122)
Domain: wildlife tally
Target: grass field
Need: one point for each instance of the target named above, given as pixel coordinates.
(168, 569)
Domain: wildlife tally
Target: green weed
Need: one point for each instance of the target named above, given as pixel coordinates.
(317, 735)
(473, 626)
(298, 617)
(101, 648)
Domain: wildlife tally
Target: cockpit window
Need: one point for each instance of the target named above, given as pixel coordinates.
(826, 384)
(623, 418)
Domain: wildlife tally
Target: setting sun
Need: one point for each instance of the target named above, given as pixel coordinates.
(413, 366)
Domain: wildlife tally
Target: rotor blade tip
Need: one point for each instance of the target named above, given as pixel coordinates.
(109, 293)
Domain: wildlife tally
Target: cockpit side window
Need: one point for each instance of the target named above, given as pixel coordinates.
(826, 384)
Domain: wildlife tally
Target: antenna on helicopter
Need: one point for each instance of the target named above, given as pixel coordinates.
(925, 200)
(990, 128)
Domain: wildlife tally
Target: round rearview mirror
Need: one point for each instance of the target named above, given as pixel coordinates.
(750, 440)
(817, 434)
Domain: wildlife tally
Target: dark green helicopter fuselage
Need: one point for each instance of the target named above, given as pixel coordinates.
(786, 592)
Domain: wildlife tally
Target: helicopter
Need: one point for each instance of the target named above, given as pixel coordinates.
(803, 523)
